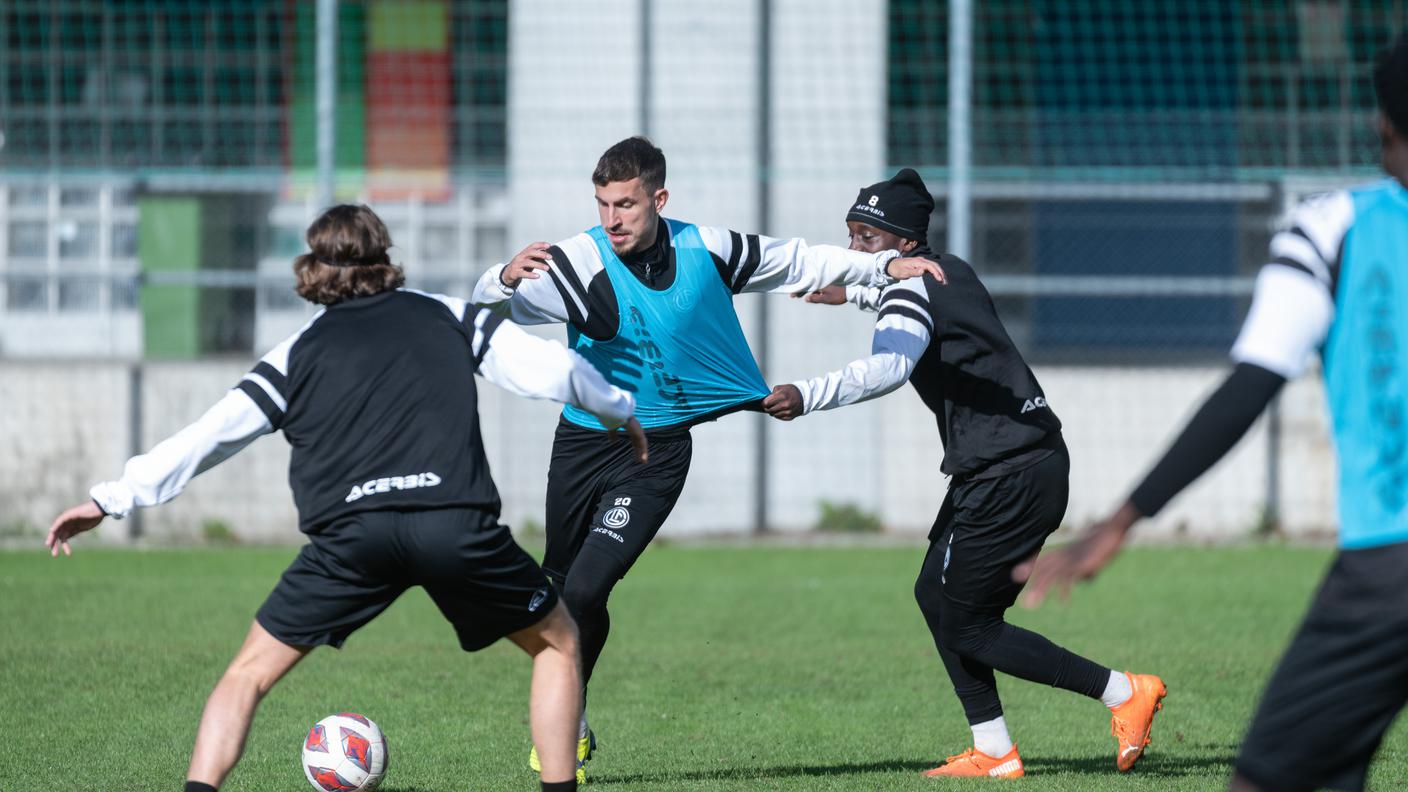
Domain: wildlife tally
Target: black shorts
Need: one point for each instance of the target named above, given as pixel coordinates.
(987, 526)
(482, 581)
(1340, 683)
(598, 495)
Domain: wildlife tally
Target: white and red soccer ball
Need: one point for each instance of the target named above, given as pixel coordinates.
(344, 753)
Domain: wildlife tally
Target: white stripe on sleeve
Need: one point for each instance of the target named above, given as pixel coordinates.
(898, 344)
(793, 266)
(1288, 322)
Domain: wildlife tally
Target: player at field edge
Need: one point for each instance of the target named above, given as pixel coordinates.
(1335, 284)
(649, 301)
(376, 394)
(1009, 471)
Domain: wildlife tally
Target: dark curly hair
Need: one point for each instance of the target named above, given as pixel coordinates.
(347, 257)
(632, 157)
(1391, 83)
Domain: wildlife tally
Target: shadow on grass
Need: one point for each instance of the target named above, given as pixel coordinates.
(1103, 764)
(1155, 765)
(747, 773)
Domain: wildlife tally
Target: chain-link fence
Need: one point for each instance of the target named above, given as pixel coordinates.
(1128, 163)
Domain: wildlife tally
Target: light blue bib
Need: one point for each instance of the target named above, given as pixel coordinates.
(680, 350)
(1366, 369)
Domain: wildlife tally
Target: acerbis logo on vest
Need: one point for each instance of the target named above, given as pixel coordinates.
(377, 486)
(1034, 404)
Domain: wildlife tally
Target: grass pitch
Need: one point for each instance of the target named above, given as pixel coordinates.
(728, 669)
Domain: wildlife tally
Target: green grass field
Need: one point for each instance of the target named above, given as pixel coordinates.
(729, 668)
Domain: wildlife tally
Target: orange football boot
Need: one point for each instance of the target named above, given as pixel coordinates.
(973, 763)
(1131, 721)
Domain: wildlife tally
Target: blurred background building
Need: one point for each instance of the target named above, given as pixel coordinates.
(1114, 169)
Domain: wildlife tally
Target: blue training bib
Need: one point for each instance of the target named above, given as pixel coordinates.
(1366, 369)
(680, 350)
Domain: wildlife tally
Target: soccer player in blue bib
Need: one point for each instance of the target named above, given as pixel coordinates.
(1336, 284)
(649, 302)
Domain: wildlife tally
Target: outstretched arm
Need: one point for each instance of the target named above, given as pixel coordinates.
(901, 336)
(753, 263)
(866, 298)
(163, 472)
(541, 369)
(1289, 319)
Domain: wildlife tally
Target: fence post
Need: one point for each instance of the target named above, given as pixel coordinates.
(960, 125)
(134, 436)
(646, 59)
(326, 103)
(764, 154)
(1271, 509)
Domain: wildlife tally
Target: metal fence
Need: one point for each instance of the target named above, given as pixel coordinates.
(1113, 170)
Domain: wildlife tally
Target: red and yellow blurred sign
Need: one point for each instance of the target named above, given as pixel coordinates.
(393, 99)
(408, 99)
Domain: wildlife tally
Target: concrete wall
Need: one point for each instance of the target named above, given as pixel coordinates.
(65, 426)
(72, 334)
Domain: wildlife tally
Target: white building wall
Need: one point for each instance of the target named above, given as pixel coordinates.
(828, 120)
(575, 90)
(65, 427)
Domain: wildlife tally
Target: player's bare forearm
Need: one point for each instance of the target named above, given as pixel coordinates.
(831, 295)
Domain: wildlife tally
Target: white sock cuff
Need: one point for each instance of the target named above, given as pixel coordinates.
(1117, 691)
(991, 737)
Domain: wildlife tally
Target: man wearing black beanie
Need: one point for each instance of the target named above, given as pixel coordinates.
(1335, 284)
(1009, 469)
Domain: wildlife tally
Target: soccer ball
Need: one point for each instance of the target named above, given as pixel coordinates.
(344, 753)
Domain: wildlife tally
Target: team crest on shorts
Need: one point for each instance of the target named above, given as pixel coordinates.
(616, 517)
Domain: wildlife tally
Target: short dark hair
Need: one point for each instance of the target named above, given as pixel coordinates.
(347, 257)
(632, 157)
(1391, 83)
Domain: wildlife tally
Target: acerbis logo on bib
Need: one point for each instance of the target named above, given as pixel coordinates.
(379, 485)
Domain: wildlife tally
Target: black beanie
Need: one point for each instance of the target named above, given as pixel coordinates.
(1391, 83)
(901, 206)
